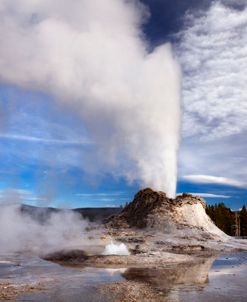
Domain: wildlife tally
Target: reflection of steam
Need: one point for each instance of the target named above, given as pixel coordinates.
(113, 271)
(92, 57)
(61, 229)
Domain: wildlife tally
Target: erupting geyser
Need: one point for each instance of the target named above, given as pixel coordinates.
(92, 55)
(116, 249)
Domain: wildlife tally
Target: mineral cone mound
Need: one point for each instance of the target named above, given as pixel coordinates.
(152, 209)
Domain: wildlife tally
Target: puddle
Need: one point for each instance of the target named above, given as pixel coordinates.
(223, 279)
(57, 283)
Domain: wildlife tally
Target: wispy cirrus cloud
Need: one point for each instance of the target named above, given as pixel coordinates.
(18, 196)
(101, 194)
(108, 198)
(44, 140)
(209, 179)
(212, 51)
(210, 195)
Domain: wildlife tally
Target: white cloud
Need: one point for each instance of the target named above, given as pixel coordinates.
(17, 196)
(100, 194)
(213, 52)
(16, 191)
(108, 197)
(112, 206)
(209, 195)
(209, 179)
(44, 140)
(224, 157)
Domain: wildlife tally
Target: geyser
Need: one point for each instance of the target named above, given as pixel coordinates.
(116, 249)
(92, 56)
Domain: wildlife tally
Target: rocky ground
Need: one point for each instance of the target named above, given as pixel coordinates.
(9, 291)
(130, 291)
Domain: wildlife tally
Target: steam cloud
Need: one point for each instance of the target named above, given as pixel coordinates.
(116, 249)
(92, 56)
(19, 232)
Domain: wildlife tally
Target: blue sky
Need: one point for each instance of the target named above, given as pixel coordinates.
(45, 144)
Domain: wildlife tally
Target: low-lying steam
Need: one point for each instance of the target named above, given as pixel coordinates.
(20, 232)
(92, 56)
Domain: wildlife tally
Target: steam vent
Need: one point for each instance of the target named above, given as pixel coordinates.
(154, 210)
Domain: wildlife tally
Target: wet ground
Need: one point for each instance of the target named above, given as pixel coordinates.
(29, 278)
(52, 281)
(226, 282)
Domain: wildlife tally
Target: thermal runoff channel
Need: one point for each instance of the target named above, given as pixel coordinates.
(93, 56)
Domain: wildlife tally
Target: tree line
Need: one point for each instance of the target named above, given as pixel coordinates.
(232, 223)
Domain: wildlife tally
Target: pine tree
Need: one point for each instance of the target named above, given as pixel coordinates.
(223, 217)
(243, 221)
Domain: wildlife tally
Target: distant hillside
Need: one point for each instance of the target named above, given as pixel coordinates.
(92, 214)
(97, 214)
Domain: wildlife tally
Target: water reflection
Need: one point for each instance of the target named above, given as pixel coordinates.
(204, 280)
(187, 274)
(221, 278)
(55, 283)
(165, 280)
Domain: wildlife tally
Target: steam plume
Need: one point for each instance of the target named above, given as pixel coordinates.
(19, 232)
(92, 56)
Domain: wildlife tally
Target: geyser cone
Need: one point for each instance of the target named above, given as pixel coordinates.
(153, 209)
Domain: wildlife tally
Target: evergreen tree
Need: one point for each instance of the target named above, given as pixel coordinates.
(243, 221)
(223, 217)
